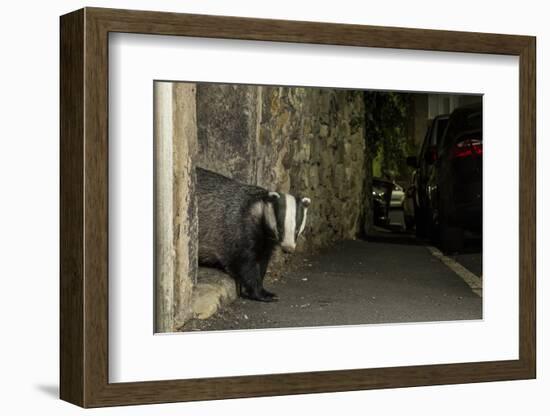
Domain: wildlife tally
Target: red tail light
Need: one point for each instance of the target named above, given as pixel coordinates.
(467, 148)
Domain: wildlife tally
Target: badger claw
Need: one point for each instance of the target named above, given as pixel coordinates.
(268, 299)
(263, 296)
(269, 296)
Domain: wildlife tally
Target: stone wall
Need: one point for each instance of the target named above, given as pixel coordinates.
(303, 141)
(227, 117)
(311, 143)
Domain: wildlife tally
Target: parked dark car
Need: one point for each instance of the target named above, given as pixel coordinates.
(453, 188)
(381, 197)
(424, 165)
(409, 204)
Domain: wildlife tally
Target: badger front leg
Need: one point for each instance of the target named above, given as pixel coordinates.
(263, 269)
(249, 279)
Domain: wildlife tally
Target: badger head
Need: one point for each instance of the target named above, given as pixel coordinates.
(285, 216)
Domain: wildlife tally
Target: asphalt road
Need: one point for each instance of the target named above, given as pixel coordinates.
(357, 282)
(469, 257)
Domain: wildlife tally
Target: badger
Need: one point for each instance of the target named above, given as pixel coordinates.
(240, 225)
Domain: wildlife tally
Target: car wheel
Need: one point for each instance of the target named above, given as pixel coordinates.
(450, 236)
(409, 223)
(421, 221)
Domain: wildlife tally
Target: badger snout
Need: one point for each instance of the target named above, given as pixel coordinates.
(288, 248)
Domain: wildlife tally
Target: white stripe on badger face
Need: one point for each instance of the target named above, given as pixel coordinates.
(303, 225)
(257, 210)
(270, 218)
(289, 243)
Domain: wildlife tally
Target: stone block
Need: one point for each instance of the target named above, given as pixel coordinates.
(214, 289)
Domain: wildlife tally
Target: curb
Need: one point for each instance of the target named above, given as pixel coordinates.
(475, 282)
(214, 290)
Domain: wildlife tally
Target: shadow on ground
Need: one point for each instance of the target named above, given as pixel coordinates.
(357, 282)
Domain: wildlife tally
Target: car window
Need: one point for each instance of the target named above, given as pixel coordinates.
(441, 126)
(461, 120)
(474, 120)
(425, 142)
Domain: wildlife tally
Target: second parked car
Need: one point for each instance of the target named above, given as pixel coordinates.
(424, 164)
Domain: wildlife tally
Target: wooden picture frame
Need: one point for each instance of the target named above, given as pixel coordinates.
(84, 207)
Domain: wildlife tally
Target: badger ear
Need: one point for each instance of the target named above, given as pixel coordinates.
(273, 196)
(306, 201)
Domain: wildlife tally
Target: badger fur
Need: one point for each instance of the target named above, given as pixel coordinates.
(240, 225)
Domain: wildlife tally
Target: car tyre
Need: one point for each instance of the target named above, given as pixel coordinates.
(409, 223)
(451, 238)
(421, 222)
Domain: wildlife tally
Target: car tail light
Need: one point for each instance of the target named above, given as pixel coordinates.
(467, 148)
